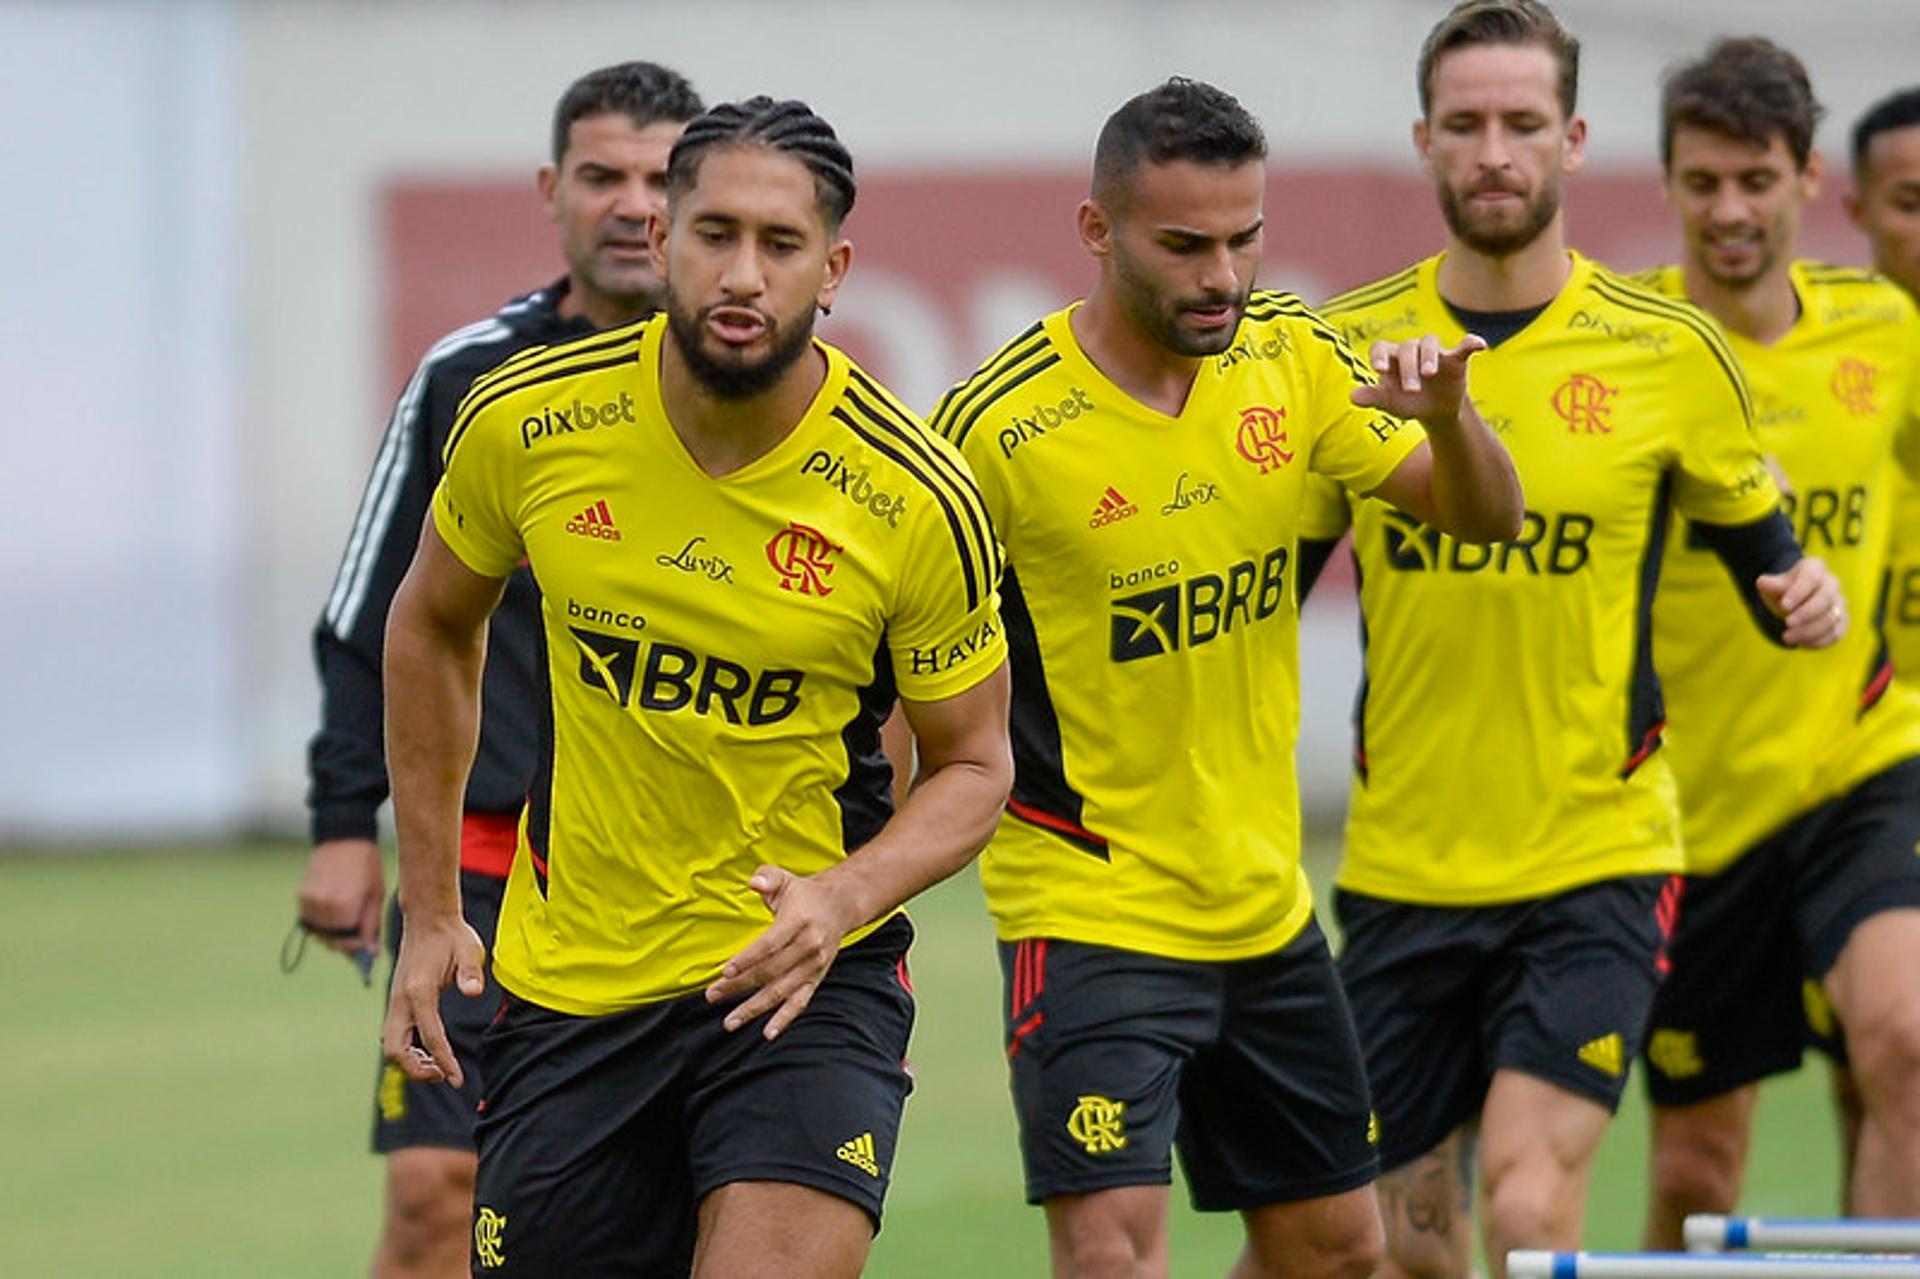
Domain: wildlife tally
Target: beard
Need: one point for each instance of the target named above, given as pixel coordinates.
(727, 377)
(1500, 241)
(1158, 316)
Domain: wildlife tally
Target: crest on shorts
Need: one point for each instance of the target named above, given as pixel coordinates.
(489, 1238)
(1099, 1124)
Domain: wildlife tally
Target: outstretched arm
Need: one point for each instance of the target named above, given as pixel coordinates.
(1461, 480)
(966, 769)
(436, 648)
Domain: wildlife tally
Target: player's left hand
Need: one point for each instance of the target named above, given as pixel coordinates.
(1418, 378)
(1808, 598)
(784, 965)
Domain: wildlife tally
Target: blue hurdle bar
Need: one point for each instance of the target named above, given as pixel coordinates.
(1710, 1232)
(1523, 1264)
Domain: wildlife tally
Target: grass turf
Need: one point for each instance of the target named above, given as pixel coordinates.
(171, 1105)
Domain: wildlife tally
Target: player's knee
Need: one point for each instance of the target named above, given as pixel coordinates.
(1530, 1206)
(1886, 1059)
(1100, 1245)
(1697, 1169)
(429, 1204)
(1342, 1239)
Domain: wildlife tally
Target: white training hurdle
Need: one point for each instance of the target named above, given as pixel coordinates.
(1526, 1264)
(1711, 1232)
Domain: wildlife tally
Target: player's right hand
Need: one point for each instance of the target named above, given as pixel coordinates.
(342, 894)
(433, 956)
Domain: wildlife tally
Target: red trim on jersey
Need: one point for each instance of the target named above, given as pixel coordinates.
(901, 974)
(1059, 825)
(1876, 686)
(1648, 745)
(487, 841)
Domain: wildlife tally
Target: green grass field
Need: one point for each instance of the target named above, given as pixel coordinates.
(174, 1106)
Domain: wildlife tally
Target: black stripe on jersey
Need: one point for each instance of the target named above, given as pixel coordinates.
(1042, 357)
(590, 344)
(1039, 765)
(1880, 671)
(1014, 349)
(966, 516)
(901, 423)
(478, 400)
(1827, 273)
(1378, 291)
(1361, 370)
(1646, 706)
(1361, 767)
(540, 788)
(1631, 299)
(866, 797)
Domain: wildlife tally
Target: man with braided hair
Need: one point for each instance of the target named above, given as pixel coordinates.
(747, 550)
(613, 129)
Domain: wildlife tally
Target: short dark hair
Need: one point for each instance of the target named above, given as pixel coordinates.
(1744, 87)
(788, 127)
(1180, 119)
(1514, 22)
(645, 92)
(1899, 110)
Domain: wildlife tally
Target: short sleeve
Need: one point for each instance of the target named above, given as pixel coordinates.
(1720, 476)
(1324, 510)
(1356, 446)
(1906, 439)
(476, 504)
(945, 635)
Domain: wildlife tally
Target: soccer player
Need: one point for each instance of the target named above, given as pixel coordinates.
(1513, 822)
(1885, 204)
(1143, 453)
(1799, 774)
(612, 130)
(745, 546)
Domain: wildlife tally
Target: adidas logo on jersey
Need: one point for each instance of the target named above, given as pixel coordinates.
(595, 521)
(1111, 509)
(1606, 1054)
(859, 1153)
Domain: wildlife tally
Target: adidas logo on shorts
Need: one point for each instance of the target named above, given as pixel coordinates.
(1606, 1054)
(859, 1153)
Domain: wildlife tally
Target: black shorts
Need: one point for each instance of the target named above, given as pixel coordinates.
(408, 1114)
(1249, 1067)
(1555, 987)
(1755, 941)
(599, 1136)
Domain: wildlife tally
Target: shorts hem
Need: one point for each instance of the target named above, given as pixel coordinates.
(392, 1145)
(1607, 1095)
(869, 1199)
(1244, 1200)
(1039, 1192)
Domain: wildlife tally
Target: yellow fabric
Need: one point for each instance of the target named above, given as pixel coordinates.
(1150, 609)
(708, 642)
(1507, 733)
(1759, 733)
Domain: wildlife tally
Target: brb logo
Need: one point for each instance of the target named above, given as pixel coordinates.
(803, 557)
(670, 678)
(1262, 438)
(1585, 404)
(1194, 610)
(1853, 385)
(1555, 545)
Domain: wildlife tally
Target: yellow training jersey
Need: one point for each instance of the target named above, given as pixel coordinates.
(720, 651)
(1150, 609)
(1760, 733)
(1903, 582)
(1507, 730)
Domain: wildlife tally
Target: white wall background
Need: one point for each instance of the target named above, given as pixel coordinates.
(190, 343)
